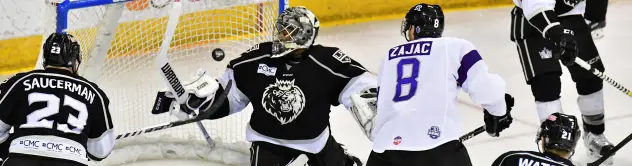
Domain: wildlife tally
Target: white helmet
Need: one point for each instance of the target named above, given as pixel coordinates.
(298, 27)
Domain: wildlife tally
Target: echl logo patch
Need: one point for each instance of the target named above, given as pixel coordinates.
(434, 132)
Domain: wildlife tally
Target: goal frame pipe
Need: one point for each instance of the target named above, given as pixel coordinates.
(67, 5)
(64, 8)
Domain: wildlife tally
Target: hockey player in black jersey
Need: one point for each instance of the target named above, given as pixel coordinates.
(557, 138)
(548, 30)
(291, 84)
(58, 117)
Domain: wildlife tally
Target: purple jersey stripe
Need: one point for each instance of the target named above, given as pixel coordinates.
(467, 62)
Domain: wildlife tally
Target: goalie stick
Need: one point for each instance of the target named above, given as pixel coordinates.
(620, 87)
(203, 115)
(166, 71)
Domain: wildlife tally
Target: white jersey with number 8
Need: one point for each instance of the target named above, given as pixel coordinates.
(417, 97)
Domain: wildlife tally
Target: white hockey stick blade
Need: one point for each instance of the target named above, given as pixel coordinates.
(205, 115)
(299, 161)
(162, 62)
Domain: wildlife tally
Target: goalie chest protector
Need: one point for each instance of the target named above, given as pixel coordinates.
(290, 102)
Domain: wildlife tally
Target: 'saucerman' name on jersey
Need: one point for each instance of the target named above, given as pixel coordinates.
(43, 82)
(411, 49)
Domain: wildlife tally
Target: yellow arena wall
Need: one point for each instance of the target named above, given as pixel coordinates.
(20, 53)
(337, 12)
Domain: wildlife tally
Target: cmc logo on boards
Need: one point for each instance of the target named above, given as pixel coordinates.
(138, 5)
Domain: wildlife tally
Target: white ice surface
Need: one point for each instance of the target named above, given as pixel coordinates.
(489, 31)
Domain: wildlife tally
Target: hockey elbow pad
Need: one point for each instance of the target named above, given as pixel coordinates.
(100, 148)
(547, 23)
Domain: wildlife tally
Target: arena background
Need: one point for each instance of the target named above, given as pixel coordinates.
(21, 35)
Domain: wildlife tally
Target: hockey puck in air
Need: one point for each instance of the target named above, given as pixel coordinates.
(218, 54)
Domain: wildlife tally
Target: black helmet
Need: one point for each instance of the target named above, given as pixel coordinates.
(559, 132)
(61, 50)
(427, 21)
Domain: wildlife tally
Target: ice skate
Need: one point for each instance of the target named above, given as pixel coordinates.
(597, 145)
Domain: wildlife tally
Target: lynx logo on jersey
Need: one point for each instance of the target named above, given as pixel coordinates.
(410, 49)
(283, 100)
(434, 132)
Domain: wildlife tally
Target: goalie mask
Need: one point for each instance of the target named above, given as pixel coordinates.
(295, 28)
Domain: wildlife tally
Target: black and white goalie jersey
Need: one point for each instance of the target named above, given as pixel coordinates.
(292, 102)
(56, 114)
(529, 158)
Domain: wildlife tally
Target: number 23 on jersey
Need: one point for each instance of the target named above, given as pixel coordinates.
(37, 118)
(408, 67)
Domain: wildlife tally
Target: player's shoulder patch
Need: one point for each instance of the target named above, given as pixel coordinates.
(341, 56)
(253, 48)
(261, 48)
(256, 52)
(331, 52)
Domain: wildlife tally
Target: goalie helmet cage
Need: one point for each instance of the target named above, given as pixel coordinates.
(119, 41)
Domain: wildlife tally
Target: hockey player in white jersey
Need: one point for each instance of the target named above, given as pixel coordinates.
(417, 117)
(547, 32)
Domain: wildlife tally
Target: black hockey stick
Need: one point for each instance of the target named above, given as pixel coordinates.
(603, 76)
(471, 134)
(614, 150)
(203, 115)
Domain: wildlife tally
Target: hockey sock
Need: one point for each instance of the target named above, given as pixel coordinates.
(592, 108)
(547, 108)
(594, 123)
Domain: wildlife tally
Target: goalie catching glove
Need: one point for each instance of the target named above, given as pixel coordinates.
(200, 91)
(364, 109)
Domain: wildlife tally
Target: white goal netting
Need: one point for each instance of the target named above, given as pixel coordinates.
(119, 43)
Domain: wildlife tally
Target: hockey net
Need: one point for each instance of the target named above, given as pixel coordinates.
(119, 42)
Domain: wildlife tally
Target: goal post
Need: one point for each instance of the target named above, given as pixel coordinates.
(119, 42)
